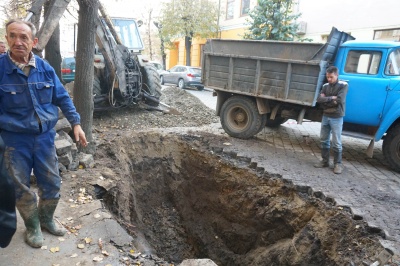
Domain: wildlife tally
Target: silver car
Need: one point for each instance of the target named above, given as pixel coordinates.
(183, 76)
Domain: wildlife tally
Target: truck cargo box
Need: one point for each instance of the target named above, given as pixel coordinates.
(286, 71)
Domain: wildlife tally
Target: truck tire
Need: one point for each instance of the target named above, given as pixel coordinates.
(274, 123)
(240, 117)
(391, 148)
(151, 82)
(96, 86)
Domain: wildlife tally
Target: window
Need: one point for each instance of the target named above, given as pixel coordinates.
(387, 35)
(230, 8)
(392, 67)
(245, 7)
(363, 62)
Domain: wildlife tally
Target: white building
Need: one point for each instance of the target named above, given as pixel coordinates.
(364, 19)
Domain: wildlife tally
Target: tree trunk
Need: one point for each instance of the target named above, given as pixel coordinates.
(83, 87)
(149, 35)
(188, 46)
(52, 50)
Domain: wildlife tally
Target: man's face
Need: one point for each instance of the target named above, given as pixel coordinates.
(2, 48)
(332, 78)
(20, 41)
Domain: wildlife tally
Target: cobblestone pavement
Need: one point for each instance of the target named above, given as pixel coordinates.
(367, 185)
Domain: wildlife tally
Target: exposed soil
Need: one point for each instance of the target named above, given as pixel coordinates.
(185, 200)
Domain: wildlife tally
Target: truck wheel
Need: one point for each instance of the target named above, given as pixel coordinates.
(152, 84)
(162, 80)
(264, 118)
(96, 86)
(273, 123)
(240, 117)
(391, 147)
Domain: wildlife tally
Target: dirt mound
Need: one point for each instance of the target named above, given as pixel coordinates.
(190, 203)
(192, 113)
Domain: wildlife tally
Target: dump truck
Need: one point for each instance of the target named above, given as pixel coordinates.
(122, 75)
(264, 83)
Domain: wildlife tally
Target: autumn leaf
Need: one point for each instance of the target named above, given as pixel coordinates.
(54, 250)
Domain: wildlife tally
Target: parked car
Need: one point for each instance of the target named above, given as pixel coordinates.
(183, 76)
(68, 69)
(158, 66)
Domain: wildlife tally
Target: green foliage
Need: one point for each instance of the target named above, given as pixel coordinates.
(180, 18)
(272, 20)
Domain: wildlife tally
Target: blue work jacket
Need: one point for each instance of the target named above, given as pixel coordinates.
(28, 104)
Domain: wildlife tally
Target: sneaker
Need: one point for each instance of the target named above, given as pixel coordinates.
(321, 164)
(338, 168)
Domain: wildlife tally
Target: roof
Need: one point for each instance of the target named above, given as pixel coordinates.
(377, 44)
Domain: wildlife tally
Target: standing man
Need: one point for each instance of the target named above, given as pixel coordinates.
(3, 48)
(30, 94)
(333, 101)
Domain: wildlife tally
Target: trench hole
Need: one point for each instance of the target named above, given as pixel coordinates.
(187, 202)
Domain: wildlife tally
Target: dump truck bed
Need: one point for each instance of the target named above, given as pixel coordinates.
(285, 71)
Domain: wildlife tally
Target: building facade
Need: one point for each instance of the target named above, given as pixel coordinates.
(364, 19)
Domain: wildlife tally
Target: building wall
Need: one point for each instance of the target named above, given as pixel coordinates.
(177, 56)
(359, 17)
(364, 19)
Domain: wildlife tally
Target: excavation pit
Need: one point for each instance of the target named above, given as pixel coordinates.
(187, 202)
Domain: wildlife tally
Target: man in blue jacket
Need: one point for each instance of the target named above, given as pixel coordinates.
(30, 95)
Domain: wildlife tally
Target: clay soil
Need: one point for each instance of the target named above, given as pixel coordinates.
(181, 198)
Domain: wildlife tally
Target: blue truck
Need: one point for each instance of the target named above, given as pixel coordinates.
(265, 83)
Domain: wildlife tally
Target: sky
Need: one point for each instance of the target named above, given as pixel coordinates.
(131, 8)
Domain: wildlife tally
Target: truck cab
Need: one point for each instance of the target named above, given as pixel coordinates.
(372, 70)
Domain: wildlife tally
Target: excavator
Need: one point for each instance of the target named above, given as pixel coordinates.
(122, 75)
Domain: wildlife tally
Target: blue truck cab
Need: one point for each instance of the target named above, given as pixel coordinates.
(372, 70)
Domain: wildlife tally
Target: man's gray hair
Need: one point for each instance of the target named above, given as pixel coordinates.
(29, 24)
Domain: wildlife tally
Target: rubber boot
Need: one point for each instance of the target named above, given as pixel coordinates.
(46, 213)
(30, 215)
(337, 160)
(325, 159)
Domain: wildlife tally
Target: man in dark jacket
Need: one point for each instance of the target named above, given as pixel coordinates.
(333, 101)
(30, 95)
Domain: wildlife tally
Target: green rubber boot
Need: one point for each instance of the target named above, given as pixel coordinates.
(46, 213)
(30, 215)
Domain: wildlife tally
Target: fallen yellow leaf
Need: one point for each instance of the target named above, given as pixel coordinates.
(54, 250)
(88, 240)
(81, 246)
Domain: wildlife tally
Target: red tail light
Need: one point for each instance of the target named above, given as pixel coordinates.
(190, 75)
(66, 71)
